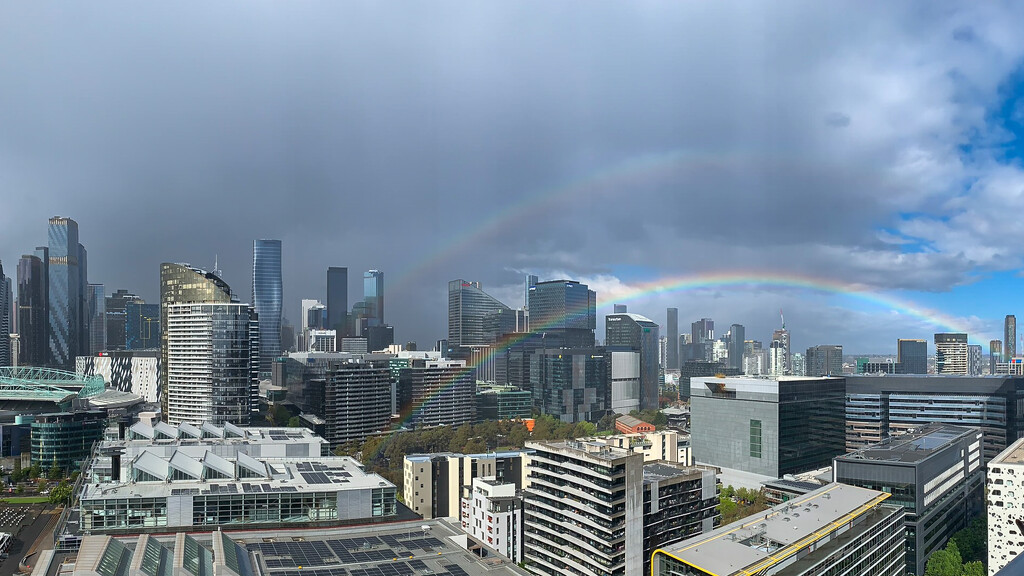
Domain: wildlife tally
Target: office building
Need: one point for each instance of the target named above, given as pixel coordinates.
(737, 335)
(702, 330)
(379, 337)
(779, 353)
(96, 316)
(65, 439)
(887, 367)
(373, 296)
(313, 316)
(5, 320)
(637, 333)
(695, 368)
(322, 341)
(565, 311)
(15, 341)
(468, 306)
(1009, 337)
(798, 364)
(951, 353)
(337, 299)
(133, 371)
(229, 477)
(184, 284)
(570, 384)
(434, 484)
(501, 402)
(65, 283)
(267, 299)
(974, 355)
(209, 363)
(835, 529)
(824, 360)
(672, 334)
(493, 516)
(436, 392)
(934, 472)
(625, 381)
(757, 429)
(912, 355)
(33, 318)
(502, 321)
(594, 509)
(142, 326)
(878, 407)
(995, 355)
(1005, 522)
(755, 358)
(116, 318)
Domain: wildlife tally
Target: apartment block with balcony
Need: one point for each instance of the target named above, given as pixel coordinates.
(493, 516)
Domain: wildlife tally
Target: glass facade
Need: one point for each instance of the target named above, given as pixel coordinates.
(634, 332)
(142, 326)
(571, 385)
(65, 294)
(32, 306)
(468, 307)
(267, 298)
(66, 438)
(97, 321)
(337, 299)
(563, 305)
(811, 424)
(373, 296)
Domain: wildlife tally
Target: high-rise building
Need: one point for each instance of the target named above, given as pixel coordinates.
(267, 299)
(468, 306)
(337, 300)
(825, 360)
(974, 355)
(565, 311)
(97, 319)
(373, 296)
(116, 318)
(5, 320)
(209, 364)
(434, 483)
(493, 515)
(915, 469)
(951, 353)
(702, 330)
(33, 319)
(912, 354)
(618, 308)
(142, 326)
(436, 392)
(995, 355)
(1005, 525)
(638, 334)
(737, 337)
(83, 303)
(1009, 337)
(672, 353)
(65, 296)
(570, 384)
(798, 364)
(185, 284)
(779, 354)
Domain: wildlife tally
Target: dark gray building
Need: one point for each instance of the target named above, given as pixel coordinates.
(995, 355)
(33, 318)
(571, 384)
(337, 300)
(468, 308)
(913, 355)
(879, 406)
(268, 299)
(691, 369)
(737, 335)
(825, 360)
(672, 334)
(433, 393)
(639, 334)
(1009, 337)
(65, 294)
(767, 427)
(565, 310)
(116, 319)
(935, 473)
(702, 330)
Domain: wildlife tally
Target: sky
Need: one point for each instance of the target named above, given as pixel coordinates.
(855, 164)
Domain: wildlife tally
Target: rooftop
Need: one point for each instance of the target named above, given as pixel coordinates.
(912, 446)
(1014, 454)
(754, 543)
(631, 421)
(660, 471)
(586, 448)
(162, 432)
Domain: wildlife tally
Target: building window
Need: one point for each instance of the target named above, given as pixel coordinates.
(755, 438)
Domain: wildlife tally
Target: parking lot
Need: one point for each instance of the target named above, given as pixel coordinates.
(26, 523)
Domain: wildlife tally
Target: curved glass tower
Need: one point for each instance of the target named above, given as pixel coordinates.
(267, 296)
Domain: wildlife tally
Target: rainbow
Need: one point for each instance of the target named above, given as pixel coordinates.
(730, 279)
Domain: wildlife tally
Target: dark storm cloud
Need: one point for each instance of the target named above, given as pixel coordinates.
(381, 135)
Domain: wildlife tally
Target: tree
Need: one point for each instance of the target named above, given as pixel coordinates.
(41, 485)
(945, 562)
(55, 472)
(294, 422)
(971, 540)
(974, 569)
(606, 423)
(18, 475)
(61, 494)
(35, 471)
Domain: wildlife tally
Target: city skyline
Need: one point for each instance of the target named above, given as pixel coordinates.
(856, 204)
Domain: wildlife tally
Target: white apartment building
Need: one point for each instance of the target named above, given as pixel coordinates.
(493, 515)
(1005, 506)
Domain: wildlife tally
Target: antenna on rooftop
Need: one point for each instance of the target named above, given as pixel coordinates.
(783, 319)
(217, 272)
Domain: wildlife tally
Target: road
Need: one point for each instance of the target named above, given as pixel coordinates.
(35, 522)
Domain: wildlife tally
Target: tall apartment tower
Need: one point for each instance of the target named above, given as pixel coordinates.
(65, 284)
(337, 300)
(737, 336)
(672, 333)
(5, 321)
(702, 330)
(96, 316)
(185, 284)
(951, 353)
(373, 296)
(33, 319)
(912, 354)
(639, 334)
(824, 360)
(267, 298)
(468, 305)
(565, 311)
(995, 355)
(208, 363)
(778, 353)
(1009, 337)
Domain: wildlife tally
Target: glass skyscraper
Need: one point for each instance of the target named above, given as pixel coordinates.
(637, 333)
(468, 305)
(65, 285)
(267, 298)
(566, 309)
(337, 299)
(96, 318)
(141, 326)
(32, 306)
(5, 321)
(373, 296)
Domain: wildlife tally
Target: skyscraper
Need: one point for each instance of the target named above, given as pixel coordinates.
(565, 311)
(116, 318)
(97, 319)
(702, 330)
(32, 316)
(974, 359)
(824, 360)
(639, 334)
(185, 284)
(737, 337)
(142, 328)
(337, 300)
(778, 353)
(672, 334)
(1009, 337)
(373, 295)
(951, 353)
(912, 354)
(65, 293)
(468, 306)
(995, 355)
(5, 320)
(267, 299)
(531, 280)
